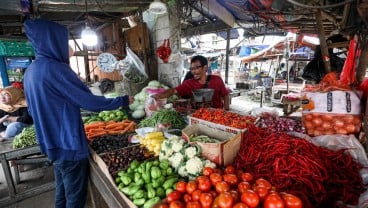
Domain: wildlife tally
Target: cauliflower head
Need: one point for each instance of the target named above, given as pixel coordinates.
(194, 166)
(208, 163)
(178, 145)
(191, 151)
(176, 159)
(182, 171)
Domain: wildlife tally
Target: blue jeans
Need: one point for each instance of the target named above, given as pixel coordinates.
(71, 178)
(13, 129)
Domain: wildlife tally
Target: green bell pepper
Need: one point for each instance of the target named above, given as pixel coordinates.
(155, 172)
(164, 164)
(151, 202)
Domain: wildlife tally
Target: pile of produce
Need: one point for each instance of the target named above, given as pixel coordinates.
(140, 99)
(152, 141)
(120, 159)
(113, 115)
(100, 128)
(165, 117)
(183, 157)
(280, 124)
(26, 138)
(319, 176)
(223, 117)
(228, 189)
(203, 139)
(109, 143)
(147, 183)
(318, 124)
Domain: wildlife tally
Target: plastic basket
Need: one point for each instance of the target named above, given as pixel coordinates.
(203, 95)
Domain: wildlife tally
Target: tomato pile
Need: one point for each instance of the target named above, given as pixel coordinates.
(318, 124)
(223, 117)
(228, 189)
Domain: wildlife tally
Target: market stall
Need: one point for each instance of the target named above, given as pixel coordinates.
(273, 161)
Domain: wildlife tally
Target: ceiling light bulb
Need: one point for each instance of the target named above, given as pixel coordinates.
(157, 7)
(89, 37)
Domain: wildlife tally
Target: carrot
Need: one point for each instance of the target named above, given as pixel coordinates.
(93, 135)
(94, 126)
(98, 130)
(127, 129)
(114, 132)
(113, 125)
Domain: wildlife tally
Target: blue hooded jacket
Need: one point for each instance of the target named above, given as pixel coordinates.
(55, 94)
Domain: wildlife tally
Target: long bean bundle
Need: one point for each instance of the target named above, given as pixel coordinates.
(319, 176)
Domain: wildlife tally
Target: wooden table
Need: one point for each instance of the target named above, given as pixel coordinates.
(8, 156)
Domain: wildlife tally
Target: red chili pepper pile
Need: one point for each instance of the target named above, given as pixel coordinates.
(223, 117)
(319, 176)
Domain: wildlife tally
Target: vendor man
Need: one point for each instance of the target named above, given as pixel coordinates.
(200, 79)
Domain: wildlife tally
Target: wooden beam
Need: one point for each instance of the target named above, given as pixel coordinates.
(322, 41)
(220, 11)
(204, 29)
(344, 44)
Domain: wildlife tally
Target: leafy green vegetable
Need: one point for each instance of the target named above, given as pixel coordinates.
(164, 116)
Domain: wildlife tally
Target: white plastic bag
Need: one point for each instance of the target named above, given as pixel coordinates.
(136, 70)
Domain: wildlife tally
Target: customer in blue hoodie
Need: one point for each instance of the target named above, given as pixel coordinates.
(55, 95)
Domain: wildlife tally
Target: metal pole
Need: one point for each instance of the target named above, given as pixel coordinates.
(286, 55)
(227, 56)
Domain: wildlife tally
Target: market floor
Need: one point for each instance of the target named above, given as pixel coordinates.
(34, 175)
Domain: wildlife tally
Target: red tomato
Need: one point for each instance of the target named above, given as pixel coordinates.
(222, 186)
(225, 200)
(181, 186)
(193, 204)
(247, 177)
(204, 183)
(215, 178)
(231, 179)
(163, 205)
(292, 201)
(206, 200)
(176, 204)
(273, 200)
(207, 171)
(215, 203)
(196, 194)
(261, 191)
(191, 186)
(235, 195)
(229, 169)
(240, 205)
(242, 186)
(187, 198)
(250, 198)
(264, 183)
(173, 196)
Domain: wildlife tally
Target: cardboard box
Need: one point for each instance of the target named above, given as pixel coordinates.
(192, 121)
(220, 153)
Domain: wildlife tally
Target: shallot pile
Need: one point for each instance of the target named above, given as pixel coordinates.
(280, 124)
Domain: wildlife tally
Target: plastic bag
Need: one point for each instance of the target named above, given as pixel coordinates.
(315, 69)
(136, 71)
(164, 51)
